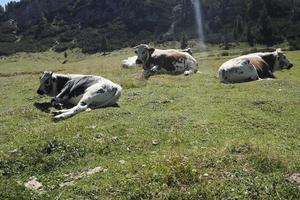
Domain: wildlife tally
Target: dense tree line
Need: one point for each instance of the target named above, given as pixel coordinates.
(103, 25)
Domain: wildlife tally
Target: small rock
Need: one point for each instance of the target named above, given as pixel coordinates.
(167, 101)
(155, 142)
(13, 151)
(66, 184)
(92, 127)
(205, 175)
(122, 162)
(75, 177)
(114, 139)
(33, 184)
(294, 178)
(94, 171)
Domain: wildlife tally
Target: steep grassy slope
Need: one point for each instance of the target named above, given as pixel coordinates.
(173, 137)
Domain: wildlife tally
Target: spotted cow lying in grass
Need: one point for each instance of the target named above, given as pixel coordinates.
(157, 61)
(82, 91)
(253, 67)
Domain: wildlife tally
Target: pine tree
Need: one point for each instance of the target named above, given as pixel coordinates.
(1, 10)
(250, 36)
(65, 56)
(183, 42)
(266, 29)
(294, 16)
(238, 28)
(254, 7)
(104, 45)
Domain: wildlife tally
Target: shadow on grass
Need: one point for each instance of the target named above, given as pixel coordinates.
(44, 107)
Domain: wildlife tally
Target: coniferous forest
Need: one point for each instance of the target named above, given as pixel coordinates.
(105, 25)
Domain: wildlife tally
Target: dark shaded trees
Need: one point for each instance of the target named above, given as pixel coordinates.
(104, 45)
(238, 28)
(183, 42)
(129, 22)
(265, 29)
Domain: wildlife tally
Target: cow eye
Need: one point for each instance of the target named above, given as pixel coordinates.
(48, 82)
(135, 52)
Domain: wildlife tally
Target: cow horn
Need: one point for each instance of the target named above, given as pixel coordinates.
(141, 45)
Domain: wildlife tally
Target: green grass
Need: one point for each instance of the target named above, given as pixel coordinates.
(216, 141)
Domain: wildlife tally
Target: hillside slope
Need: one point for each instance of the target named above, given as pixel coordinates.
(173, 137)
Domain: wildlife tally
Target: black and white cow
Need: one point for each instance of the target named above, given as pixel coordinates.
(82, 91)
(253, 67)
(157, 61)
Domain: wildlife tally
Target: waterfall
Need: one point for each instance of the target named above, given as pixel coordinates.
(198, 14)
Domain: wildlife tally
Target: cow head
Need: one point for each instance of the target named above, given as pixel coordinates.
(143, 53)
(47, 81)
(282, 61)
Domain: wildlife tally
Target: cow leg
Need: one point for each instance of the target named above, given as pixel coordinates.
(82, 106)
(57, 101)
(147, 74)
(188, 72)
(190, 67)
(271, 75)
(58, 112)
(154, 69)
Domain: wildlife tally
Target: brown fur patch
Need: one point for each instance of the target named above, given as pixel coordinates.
(171, 53)
(262, 67)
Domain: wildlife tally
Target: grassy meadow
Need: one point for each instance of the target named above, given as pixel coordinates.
(173, 137)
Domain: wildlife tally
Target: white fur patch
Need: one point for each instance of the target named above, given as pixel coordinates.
(237, 70)
(129, 62)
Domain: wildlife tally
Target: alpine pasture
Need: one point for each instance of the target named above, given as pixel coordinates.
(172, 137)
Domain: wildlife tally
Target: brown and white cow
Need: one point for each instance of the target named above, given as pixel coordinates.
(171, 61)
(253, 67)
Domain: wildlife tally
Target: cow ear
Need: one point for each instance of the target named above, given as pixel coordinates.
(54, 79)
(151, 50)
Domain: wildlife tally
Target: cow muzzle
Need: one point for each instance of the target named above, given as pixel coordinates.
(138, 62)
(40, 92)
(290, 66)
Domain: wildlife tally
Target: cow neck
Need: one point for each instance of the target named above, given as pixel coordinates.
(148, 63)
(61, 81)
(270, 59)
